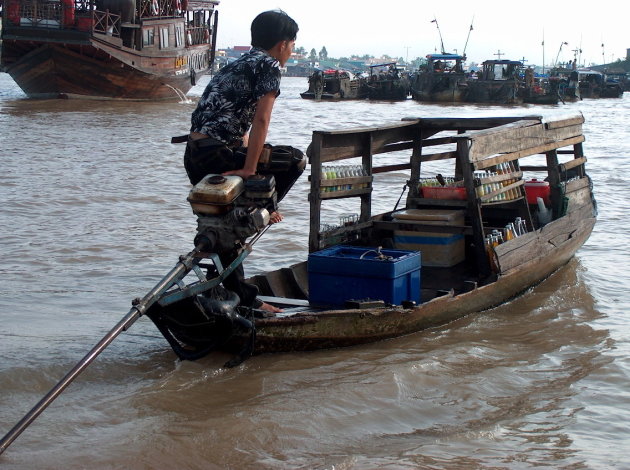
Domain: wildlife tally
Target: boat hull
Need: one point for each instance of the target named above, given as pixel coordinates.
(339, 328)
(390, 90)
(493, 91)
(440, 88)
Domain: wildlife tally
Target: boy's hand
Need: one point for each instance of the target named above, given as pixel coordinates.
(245, 174)
(275, 217)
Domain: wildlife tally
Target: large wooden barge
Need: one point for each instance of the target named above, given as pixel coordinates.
(108, 49)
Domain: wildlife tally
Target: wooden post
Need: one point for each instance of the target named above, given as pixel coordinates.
(416, 160)
(554, 181)
(458, 168)
(474, 207)
(314, 195)
(578, 152)
(366, 199)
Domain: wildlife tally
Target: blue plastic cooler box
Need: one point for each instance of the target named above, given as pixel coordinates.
(342, 273)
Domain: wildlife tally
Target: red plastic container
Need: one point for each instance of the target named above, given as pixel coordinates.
(443, 192)
(537, 188)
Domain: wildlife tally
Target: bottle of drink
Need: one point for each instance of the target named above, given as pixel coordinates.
(517, 226)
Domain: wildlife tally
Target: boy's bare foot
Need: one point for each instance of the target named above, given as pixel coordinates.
(270, 308)
(275, 217)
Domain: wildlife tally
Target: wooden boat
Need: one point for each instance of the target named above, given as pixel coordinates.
(539, 91)
(442, 79)
(108, 49)
(387, 82)
(489, 159)
(334, 85)
(499, 82)
(611, 88)
(618, 76)
(567, 83)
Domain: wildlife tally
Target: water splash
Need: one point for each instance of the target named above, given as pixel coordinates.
(180, 94)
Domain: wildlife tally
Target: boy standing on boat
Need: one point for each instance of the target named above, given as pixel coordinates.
(230, 123)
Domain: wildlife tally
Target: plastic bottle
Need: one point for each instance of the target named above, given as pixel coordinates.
(544, 214)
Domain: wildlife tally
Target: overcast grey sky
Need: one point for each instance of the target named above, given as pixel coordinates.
(403, 28)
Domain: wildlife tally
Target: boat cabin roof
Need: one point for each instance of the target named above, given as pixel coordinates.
(201, 4)
(502, 62)
(432, 57)
(383, 65)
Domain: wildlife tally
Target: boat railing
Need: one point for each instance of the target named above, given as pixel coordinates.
(160, 8)
(41, 14)
(106, 23)
(486, 153)
(74, 16)
(197, 35)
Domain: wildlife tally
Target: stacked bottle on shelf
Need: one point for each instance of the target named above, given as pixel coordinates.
(487, 188)
(345, 220)
(497, 237)
(343, 171)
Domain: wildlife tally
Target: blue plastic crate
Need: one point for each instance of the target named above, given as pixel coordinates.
(342, 273)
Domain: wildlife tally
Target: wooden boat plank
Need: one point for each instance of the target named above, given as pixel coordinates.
(563, 121)
(540, 149)
(527, 141)
(577, 184)
(477, 123)
(578, 199)
(361, 130)
(572, 164)
(338, 146)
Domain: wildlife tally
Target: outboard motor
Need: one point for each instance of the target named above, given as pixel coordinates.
(229, 211)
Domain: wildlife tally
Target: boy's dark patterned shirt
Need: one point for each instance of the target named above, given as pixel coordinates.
(227, 106)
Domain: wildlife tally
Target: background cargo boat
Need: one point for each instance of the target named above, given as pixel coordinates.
(595, 84)
(441, 79)
(498, 82)
(456, 228)
(334, 85)
(387, 82)
(108, 49)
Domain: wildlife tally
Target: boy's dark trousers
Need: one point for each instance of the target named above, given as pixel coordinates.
(206, 156)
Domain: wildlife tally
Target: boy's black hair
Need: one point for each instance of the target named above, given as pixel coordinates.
(271, 27)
